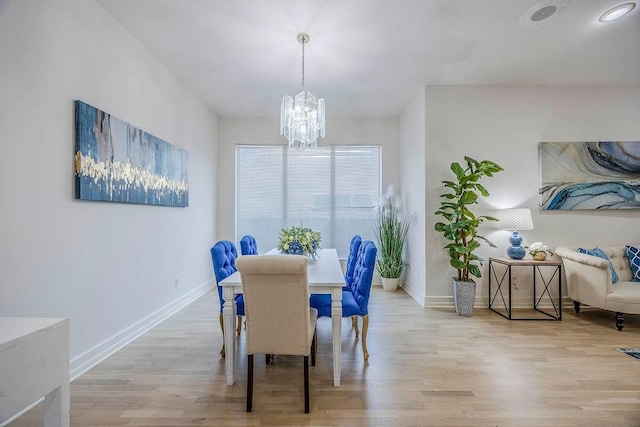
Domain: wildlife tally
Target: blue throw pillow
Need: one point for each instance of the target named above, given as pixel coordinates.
(600, 254)
(633, 254)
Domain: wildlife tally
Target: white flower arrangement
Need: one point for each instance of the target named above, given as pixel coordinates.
(536, 247)
(299, 241)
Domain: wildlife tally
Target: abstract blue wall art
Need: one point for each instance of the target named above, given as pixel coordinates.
(589, 175)
(117, 162)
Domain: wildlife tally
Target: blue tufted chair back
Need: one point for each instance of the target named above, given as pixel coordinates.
(356, 241)
(363, 275)
(248, 245)
(223, 256)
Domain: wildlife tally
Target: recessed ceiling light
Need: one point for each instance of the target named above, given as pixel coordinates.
(542, 12)
(617, 12)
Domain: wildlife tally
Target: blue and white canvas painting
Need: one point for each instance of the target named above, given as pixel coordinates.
(589, 175)
(118, 162)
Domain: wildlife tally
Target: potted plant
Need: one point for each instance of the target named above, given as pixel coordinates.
(391, 228)
(461, 227)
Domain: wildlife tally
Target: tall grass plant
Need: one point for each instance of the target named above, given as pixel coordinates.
(391, 227)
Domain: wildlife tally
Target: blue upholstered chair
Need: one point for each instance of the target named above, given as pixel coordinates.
(355, 296)
(248, 245)
(223, 256)
(356, 241)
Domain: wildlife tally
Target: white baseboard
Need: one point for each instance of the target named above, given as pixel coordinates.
(483, 302)
(438, 301)
(82, 363)
(413, 293)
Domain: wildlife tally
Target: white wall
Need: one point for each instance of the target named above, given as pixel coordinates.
(412, 183)
(505, 125)
(108, 267)
(266, 130)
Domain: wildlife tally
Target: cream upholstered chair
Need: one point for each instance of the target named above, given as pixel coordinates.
(279, 319)
(590, 280)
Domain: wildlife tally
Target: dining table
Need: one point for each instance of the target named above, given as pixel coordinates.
(325, 276)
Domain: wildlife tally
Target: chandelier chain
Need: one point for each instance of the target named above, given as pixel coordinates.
(303, 40)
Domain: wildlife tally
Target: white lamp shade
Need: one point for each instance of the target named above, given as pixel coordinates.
(516, 219)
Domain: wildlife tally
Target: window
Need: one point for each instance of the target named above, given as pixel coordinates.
(332, 189)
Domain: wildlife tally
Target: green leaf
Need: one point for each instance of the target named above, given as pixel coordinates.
(457, 170)
(457, 264)
(469, 197)
(487, 241)
(482, 190)
(474, 270)
(470, 160)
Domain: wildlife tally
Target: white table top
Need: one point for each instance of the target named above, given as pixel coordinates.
(16, 329)
(326, 271)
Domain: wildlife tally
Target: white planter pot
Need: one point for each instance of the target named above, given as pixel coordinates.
(464, 296)
(389, 284)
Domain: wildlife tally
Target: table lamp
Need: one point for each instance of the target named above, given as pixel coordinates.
(515, 219)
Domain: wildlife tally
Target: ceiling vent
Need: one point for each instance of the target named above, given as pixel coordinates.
(543, 12)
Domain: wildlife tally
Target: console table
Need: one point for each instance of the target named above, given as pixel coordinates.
(504, 284)
(34, 363)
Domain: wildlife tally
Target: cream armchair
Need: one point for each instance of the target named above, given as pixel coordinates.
(589, 281)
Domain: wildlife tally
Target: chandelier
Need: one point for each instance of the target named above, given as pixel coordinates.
(302, 116)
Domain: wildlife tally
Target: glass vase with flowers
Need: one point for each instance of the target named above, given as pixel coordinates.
(539, 251)
(299, 240)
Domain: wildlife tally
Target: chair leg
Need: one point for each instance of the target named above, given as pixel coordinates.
(250, 382)
(576, 306)
(354, 323)
(239, 327)
(222, 352)
(306, 384)
(365, 327)
(314, 347)
(620, 321)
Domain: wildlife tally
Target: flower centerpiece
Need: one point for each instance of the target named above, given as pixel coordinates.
(299, 241)
(539, 251)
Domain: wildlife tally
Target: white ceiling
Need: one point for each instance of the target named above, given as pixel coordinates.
(368, 58)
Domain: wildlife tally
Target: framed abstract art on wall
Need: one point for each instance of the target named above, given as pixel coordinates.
(117, 162)
(589, 175)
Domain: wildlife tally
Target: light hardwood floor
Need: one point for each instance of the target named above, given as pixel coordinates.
(428, 367)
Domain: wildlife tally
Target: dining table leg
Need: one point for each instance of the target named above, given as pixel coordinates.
(229, 315)
(336, 320)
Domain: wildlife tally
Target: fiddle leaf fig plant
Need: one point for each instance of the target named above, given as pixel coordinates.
(461, 225)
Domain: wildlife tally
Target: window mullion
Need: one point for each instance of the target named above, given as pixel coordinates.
(285, 187)
(332, 215)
